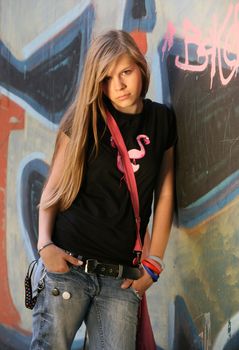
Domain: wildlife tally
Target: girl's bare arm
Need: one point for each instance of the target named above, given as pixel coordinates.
(164, 201)
(162, 220)
(54, 258)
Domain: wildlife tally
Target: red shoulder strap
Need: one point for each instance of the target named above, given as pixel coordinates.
(129, 178)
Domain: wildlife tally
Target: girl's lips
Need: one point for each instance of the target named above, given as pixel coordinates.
(123, 97)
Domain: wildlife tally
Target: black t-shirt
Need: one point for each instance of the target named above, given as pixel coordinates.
(100, 223)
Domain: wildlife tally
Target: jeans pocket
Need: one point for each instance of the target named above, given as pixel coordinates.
(54, 274)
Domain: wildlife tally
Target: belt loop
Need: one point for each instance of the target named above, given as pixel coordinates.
(121, 268)
(86, 266)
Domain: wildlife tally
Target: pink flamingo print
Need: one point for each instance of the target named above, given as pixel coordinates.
(133, 153)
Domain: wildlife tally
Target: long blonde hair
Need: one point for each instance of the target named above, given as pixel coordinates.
(88, 104)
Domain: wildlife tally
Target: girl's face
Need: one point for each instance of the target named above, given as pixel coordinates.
(123, 85)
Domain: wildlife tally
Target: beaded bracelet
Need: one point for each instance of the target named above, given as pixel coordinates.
(44, 246)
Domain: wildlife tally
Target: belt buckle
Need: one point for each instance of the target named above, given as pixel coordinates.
(88, 265)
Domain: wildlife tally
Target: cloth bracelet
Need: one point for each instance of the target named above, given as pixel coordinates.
(154, 263)
(44, 246)
(152, 267)
(151, 274)
(158, 259)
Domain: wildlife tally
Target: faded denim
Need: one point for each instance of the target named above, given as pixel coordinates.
(109, 312)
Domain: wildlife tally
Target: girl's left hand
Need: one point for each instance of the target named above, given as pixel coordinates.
(140, 285)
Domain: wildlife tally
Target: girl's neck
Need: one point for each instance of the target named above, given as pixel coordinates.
(135, 109)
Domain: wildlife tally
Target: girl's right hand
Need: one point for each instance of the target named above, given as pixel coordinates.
(57, 260)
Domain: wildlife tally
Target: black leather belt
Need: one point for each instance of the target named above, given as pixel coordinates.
(113, 270)
(105, 269)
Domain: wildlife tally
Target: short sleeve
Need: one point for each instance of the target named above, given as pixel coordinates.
(171, 139)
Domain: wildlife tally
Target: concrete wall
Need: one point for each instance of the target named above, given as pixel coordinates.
(192, 47)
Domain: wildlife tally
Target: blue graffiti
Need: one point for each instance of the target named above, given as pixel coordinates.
(139, 15)
(47, 80)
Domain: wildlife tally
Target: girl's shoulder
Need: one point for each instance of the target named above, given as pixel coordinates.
(162, 119)
(159, 112)
(157, 107)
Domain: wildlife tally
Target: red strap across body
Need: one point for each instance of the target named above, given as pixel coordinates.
(129, 179)
(145, 338)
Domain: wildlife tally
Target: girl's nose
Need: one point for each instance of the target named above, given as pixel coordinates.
(119, 84)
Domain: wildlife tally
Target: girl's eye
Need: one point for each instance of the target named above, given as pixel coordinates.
(127, 72)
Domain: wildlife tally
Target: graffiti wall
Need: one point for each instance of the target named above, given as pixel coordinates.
(193, 51)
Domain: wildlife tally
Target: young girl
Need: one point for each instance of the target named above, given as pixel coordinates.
(87, 227)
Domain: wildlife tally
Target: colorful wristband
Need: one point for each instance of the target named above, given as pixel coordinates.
(154, 263)
(158, 259)
(153, 275)
(151, 267)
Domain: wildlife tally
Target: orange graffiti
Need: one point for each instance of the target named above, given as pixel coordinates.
(12, 118)
(141, 40)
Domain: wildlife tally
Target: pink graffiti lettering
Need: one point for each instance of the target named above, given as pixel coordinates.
(220, 49)
(168, 39)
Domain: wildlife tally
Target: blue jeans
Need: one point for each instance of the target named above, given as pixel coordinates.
(68, 299)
